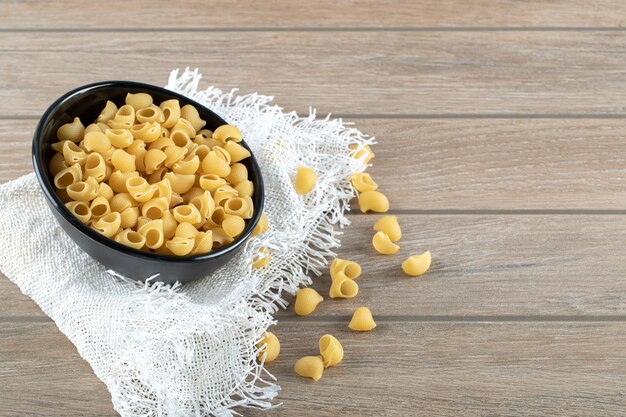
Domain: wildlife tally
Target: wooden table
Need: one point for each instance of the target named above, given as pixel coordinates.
(501, 145)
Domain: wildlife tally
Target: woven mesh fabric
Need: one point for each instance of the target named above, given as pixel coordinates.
(191, 349)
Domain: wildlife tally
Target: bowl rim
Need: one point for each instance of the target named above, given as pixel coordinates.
(49, 191)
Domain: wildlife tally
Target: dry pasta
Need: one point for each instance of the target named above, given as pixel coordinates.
(307, 300)
(310, 367)
(152, 177)
(373, 201)
(389, 225)
(269, 347)
(417, 265)
(331, 350)
(383, 244)
(261, 226)
(262, 258)
(343, 287)
(362, 320)
(305, 180)
(362, 152)
(363, 182)
(344, 267)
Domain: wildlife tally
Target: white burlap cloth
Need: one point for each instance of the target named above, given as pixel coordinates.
(191, 350)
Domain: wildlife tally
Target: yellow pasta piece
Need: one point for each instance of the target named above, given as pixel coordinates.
(203, 243)
(187, 213)
(383, 244)
(227, 132)
(95, 167)
(138, 149)
(190, 113)
(73, 154)
(216, 218)
(237, 206)
(131, 238)
(205, 205)
(224, 193)
(123, 119)
(175, 200)
(129, 217)
(80, 210)
(154, 208)
(161, 143)
(107, 113)
(202, 151)
(362, 152)
(171, 112)
(173, 154)
(90, 128)
(373, 201)
(188, 165)
(262, 258)
(138, 100)
(249, 204)
(389, 225)
(310, 367)
(305, 180)
(219, 238)
(99, 207)
(214, 164)
(148, 132)
(191, 194)
(236, 151)
(181, 183)
(68, 176)
(117, 180)
(343, 287)
(140, 190)
(153, 232)
(150, 114)
(158, 175)
(363, 182)
(307, 300)
(123, 161)
(186, 230)
(153, 160)
(74, 131)
(238, 173)
(180, 246)
(142, 221)
(107, 225)
(57, 164)
(104, 190)
(245, 188)
(97, 141)
(417, 265)
(121, 201)
(183, 125)
(261, 226)
(331, 350)
(83, 190)
(58, 146)
(233, 225)
(362, 320)
(119, 138)
(169, 224)
(269, 347)
(211, 182)
(344, 267)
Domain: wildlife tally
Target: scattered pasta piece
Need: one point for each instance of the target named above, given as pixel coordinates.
(310, 367)
(331, 350)
(373, 201)
(262, 259)
(139, 170)
(270, 347)
(305, 180)
(362, 320)
(389, 225)
(261, 226)
(307, 300)
(350, 269)
(383, 244)
(363, 182)
(417, 265)
(360, 152)
(343, 287)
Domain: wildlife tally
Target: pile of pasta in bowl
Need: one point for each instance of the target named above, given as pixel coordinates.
(153, 178)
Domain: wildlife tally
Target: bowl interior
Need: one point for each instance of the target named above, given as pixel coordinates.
(86, 103)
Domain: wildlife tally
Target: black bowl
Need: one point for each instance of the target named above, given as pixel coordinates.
(86, 103)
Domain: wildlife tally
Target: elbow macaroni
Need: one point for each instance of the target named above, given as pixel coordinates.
(349, 269)
(331, 350)
(362, 320)
(310, 367)
(417, 265)
(389, 225)
(305, 180)
(152, 177)
(383, 244)
(373, 201)
(363, 182)
(269, 348)
(307, 300)
(343, 287)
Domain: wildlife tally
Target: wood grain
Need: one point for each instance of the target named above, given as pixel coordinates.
(435, 369)
(488, 265)
(161, 14)
(430, 73)
(463, 164)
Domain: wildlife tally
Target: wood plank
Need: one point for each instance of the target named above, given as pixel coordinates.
(428, 73)
(35, 14)
(440, 369)
(463, 164)
(483, 265)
